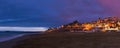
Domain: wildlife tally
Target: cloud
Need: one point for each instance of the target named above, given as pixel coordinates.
(48, 13)
(111, 6)
(9, 20)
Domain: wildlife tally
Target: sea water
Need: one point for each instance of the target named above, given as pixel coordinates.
(8, 35)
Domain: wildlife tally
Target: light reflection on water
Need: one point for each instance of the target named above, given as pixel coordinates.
(5, 36)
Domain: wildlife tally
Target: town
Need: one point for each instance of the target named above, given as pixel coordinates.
(109, 24)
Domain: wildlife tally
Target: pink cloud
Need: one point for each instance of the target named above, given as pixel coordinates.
(113, 6)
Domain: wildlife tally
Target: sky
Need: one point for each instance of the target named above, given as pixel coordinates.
(53, 13)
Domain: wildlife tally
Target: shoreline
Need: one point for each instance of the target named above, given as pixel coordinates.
(11, 37)
(12, 42)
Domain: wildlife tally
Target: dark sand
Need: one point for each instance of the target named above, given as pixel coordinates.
(68, 40)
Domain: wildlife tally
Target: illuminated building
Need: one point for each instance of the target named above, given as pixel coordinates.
(102, 25)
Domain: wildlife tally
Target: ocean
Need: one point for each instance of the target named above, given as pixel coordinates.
(9, 35)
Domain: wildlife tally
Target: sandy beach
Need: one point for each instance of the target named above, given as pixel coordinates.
(66, 40)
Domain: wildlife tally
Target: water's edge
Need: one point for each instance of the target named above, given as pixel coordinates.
(6, 36)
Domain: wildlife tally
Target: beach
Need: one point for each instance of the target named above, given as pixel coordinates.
(8, 39)
(66, 40)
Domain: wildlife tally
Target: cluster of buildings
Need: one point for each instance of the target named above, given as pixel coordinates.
(100, 25)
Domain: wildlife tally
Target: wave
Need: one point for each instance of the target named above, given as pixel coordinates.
(2, 39)
(5, 36)
(30, 29)
(8, 33)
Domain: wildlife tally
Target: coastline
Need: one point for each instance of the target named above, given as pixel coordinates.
(12, 42)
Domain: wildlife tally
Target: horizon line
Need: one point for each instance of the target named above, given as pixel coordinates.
(7, 28)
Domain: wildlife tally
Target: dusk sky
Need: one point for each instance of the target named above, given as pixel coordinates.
(52, 13)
